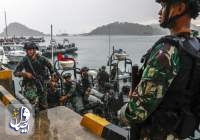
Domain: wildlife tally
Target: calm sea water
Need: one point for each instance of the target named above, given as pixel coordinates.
(93, 51)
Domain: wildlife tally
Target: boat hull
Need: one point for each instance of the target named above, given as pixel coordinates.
(15, 59)
(56, 51)
(4, 60)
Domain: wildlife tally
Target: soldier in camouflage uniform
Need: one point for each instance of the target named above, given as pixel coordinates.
(35, 76)
(72, 95)
(149, 111)
(102, 77)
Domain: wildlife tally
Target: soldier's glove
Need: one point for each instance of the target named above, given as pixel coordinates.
(121, 114)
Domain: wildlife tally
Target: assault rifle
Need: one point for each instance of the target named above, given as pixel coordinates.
(38, 83)
(37, 79)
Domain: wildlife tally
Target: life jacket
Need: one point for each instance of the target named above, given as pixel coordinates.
(179, 111)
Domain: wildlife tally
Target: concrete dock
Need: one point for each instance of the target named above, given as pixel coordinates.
(59, 123)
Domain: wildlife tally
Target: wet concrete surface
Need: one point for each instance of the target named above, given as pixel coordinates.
(59, 123)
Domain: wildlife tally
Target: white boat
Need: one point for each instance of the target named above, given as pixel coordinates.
(16, 55)
(3, 58)
(120, 54)
(15, 52)
(10, 46)
(67, 64)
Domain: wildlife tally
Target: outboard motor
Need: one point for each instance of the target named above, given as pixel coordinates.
(94, 99)
(96, 93)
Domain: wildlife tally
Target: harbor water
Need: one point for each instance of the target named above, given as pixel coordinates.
(93, 51)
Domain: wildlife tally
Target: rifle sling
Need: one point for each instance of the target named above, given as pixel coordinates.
(34, 73)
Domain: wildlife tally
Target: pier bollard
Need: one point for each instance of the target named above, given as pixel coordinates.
(8, 99)
(103, 128)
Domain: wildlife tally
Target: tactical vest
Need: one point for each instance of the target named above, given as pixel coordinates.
(179, 111)
(41, 71)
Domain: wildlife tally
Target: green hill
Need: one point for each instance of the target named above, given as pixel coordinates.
(17, 29)
(126, 28)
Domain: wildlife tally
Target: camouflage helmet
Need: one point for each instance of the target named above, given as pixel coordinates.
(84, 69)
(171, 1)
(30, 45)
(103, 67)
(174, 1)
(192, 9)
(193, 6)
(67, 75)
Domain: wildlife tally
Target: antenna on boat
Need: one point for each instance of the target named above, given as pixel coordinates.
(52, 45)
(109, 57)
(6, 24)
(109, 39)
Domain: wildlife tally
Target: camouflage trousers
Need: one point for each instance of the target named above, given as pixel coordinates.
(77, 102)
(36, 97)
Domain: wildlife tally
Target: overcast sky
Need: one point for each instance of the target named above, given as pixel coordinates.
(76, 16)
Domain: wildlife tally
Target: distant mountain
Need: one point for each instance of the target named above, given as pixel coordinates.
(126, 28)
(166, 31)
(17, 29)
(158, 30)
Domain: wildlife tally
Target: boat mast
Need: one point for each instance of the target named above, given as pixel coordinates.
(52, 45)
(109, 55)
(6, 30)
(109, 39)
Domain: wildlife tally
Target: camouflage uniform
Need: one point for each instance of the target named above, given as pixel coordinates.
(33, 92)
(102, 78)
(161, 67)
